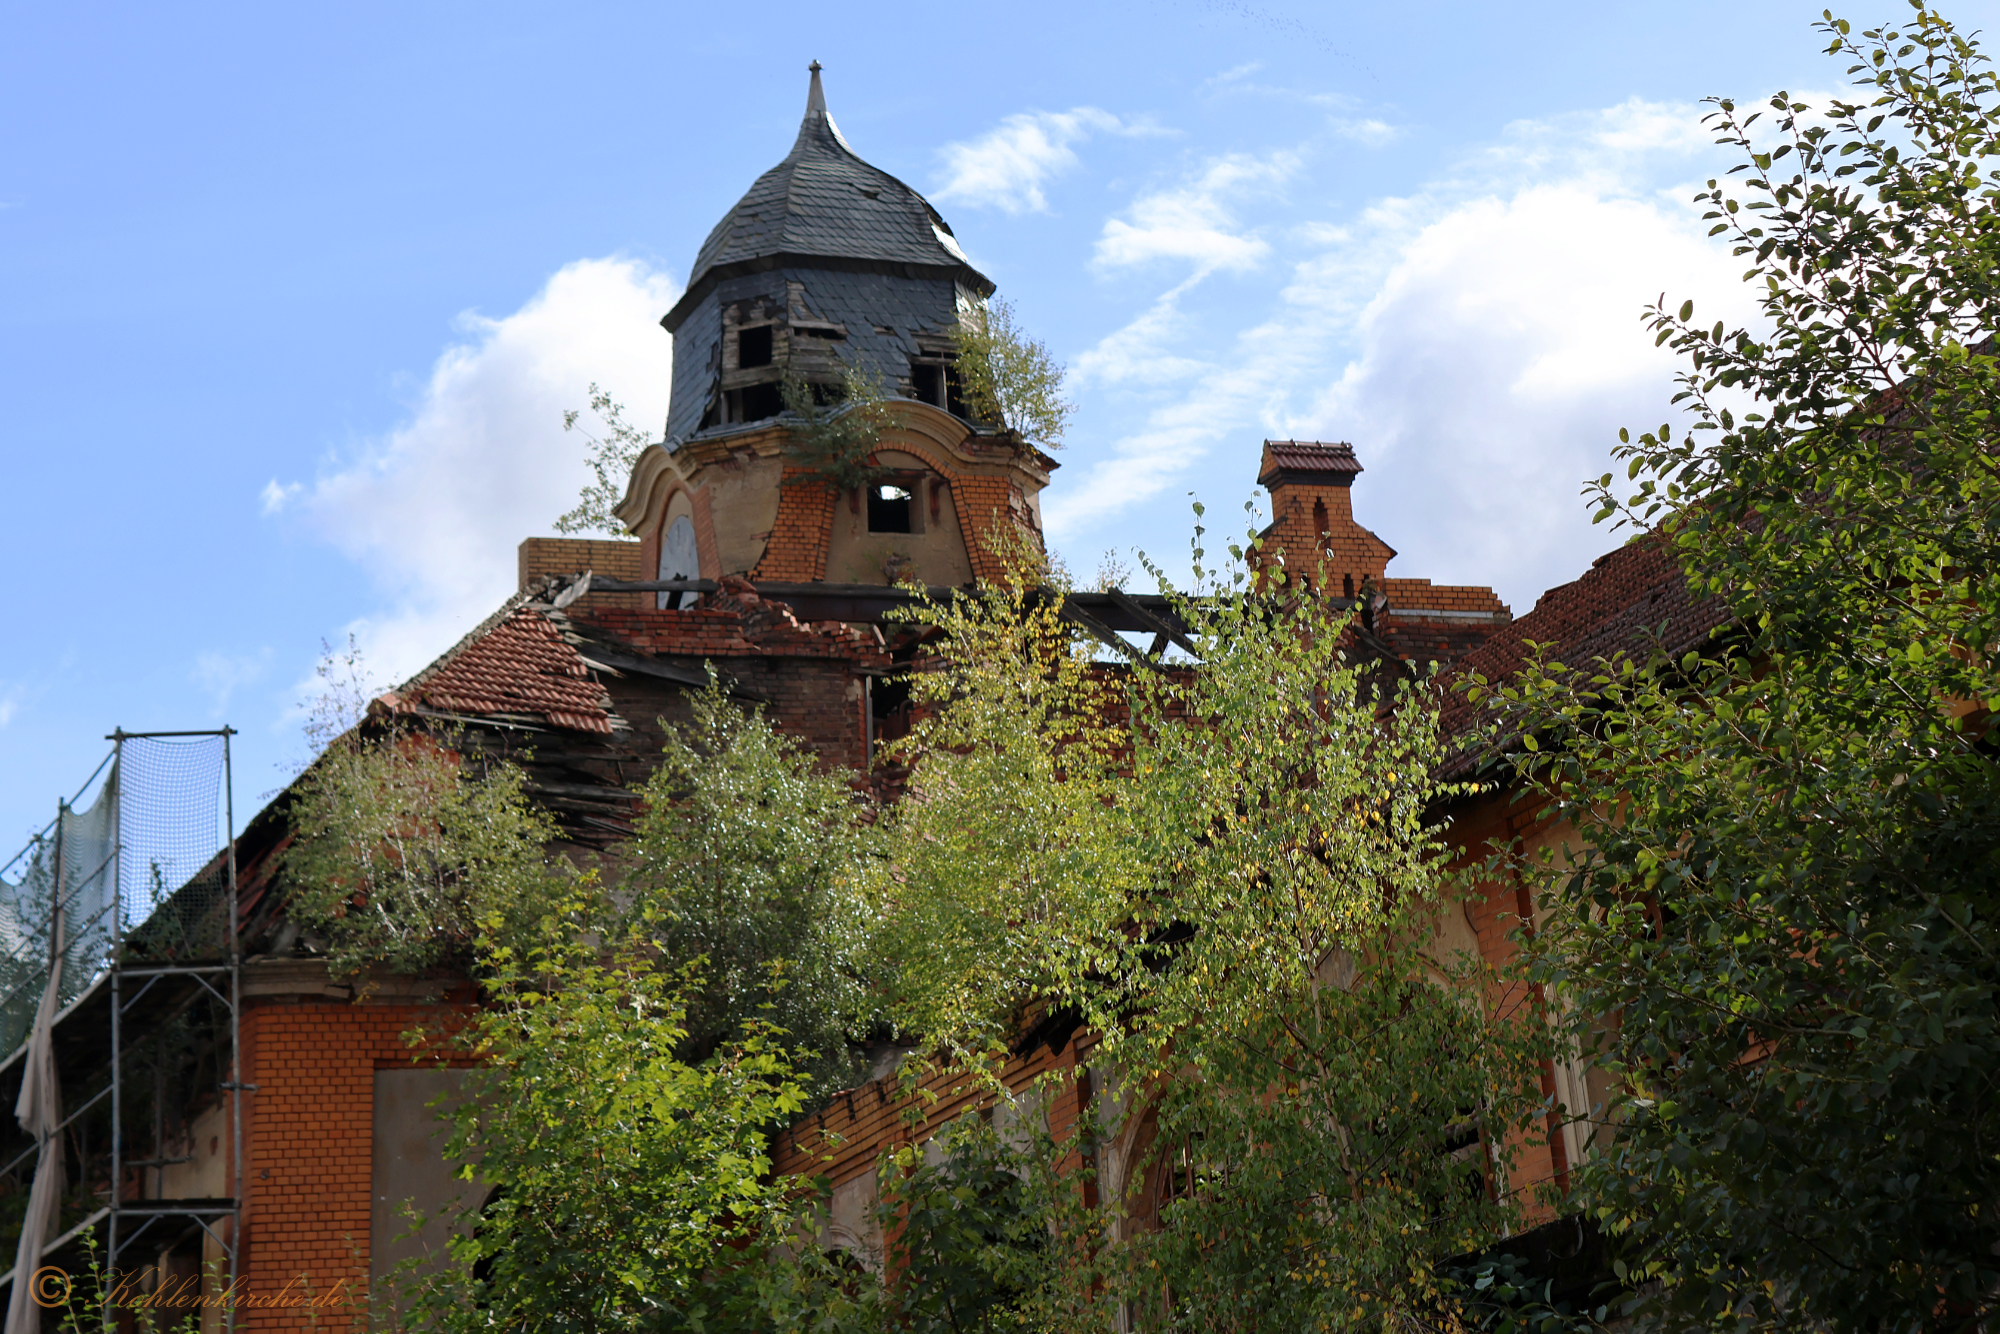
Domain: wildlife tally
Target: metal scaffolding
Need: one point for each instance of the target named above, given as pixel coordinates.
(129, 1220)
(128, 915)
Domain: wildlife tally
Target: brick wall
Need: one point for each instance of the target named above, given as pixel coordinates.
(796, 553)
(538, 556)
(988, 507)
(1414, 596)
(1314, 527)
(1476, 826)
(308, 1143)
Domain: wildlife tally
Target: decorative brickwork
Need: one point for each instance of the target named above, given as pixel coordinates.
(843, 1139)
(797, 549)
(1314, 531)
(987, 506)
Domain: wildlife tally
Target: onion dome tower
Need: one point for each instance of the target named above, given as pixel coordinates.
(824, 261)
(826, 266)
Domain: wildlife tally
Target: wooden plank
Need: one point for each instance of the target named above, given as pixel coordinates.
(1077, 616)
(1159, 625)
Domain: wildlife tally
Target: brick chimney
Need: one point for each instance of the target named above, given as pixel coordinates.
(1313, 529)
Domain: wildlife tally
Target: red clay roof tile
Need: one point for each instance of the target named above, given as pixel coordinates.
(1625, 601)
(518, 664)
(1312, 456)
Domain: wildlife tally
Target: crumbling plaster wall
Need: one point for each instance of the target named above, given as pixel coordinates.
(934, 553)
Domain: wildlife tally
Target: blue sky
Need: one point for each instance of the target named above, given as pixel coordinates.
(292, 297)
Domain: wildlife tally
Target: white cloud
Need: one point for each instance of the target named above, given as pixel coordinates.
(220, 674)
(1196, 221)
(1374, 133)
(1006, 167)
(1498, 360)
(276, 495)
(1138, 352)
(10, 700)
(1478, 341)
(435, 508)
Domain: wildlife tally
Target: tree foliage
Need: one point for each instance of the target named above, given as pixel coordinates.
(836, 429)
(399, 852)
(1227, 876)
(1010, 378)
(625, 1187)
(610, 454)
(1788, 895)
(741, 872)
(977, 1226)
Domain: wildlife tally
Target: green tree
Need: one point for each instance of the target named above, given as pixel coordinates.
(742, 870)
(399, 852)
(1010, 378)
(625, 1188)
(610, 453)
(835, 429)
(1787, 903)
(1005, 872)
(1227, 875)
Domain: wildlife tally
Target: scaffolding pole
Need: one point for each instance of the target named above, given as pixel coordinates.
(219, 1219)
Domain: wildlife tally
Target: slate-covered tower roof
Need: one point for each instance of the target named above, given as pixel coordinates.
(825, 262)
(821, 204)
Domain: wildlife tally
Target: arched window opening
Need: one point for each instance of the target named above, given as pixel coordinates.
(679, 559)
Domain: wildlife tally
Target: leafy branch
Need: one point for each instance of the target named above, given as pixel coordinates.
(610, 454)
(837, 428)
(1011, 378)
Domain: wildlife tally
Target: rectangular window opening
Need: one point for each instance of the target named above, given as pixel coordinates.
(753, 347)
(761, 401)
(888, 508)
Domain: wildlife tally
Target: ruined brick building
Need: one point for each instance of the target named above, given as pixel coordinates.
(741, 559)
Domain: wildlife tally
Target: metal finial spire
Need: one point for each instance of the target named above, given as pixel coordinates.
(816, 98)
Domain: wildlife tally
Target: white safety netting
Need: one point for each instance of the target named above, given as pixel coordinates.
(139, 863)
(74, 863)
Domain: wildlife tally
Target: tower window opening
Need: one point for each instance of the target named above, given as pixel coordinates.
(760, 401)
(680, 558)
(888, 508)
(753, 347)
(1347, 585)
(936, 382)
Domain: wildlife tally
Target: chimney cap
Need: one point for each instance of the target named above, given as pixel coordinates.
(1308, 462)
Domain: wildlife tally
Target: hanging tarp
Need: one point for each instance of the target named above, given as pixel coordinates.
(39, 1110)
(75, 859)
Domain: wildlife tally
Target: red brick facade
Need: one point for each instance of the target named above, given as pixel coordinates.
(308, 1143)
(797, 551)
